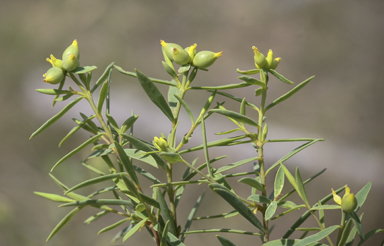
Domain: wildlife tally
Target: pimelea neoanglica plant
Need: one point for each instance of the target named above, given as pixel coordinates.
(126, 156)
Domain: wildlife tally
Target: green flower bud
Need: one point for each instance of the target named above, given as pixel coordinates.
(260, 60)
(269, 59)
(275, 63)
(161, 144)
(55, 62)
(204, 59)
(180, 56)
(191, 52)
(72, 49)
(168, 48)
(348, 203)
(54, 75)
(70, 62)
(140, 207)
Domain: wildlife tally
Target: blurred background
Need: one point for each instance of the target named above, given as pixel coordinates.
(341, 42)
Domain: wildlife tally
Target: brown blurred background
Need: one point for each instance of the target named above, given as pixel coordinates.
(341, 42)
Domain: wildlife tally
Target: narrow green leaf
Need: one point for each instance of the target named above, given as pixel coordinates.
(173, 240)
(271, 209)
(147, 199)
(172, 93)
(73, 152)
(170, 70)
(54, 91)
(63, 222)
(126, 162)
(292, 153)
(228, 132)
(221, 87)
(52, 120)
(82, 70)
(128, 123)
(252, 81)
(160, 81)
(357, 225)
(165, 212)
(352, 234)
(237, 204)
(98, 202)
(76, 128)
(248, 72)
(259, 198)
(318, 236)
(370, 234)
(113, 226)
(236, 116)
(96, 216)
(54, 197)
(300, 187)
(224, 241)
(326, 207)
(290, 177)
(235, 164)
(279, 182)
(289, 93)
(206, 154)
(361, 196)
(191, 216)
(103, 77)
(184, 68)
(102, 96)
(291, 209)
(224, 230)
(187, 109)
(280, 77)
(164, 235)
(131, 187)
(154, 94)
(238, 100)
(345, 233)
(146, 174)
(252, 182)
(94, 181)
(134, 229)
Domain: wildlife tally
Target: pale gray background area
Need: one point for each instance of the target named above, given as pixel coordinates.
(341, 42)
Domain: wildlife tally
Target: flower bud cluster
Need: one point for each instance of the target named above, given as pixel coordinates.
(262, 62)
(189, 55)
(348, 202)
(68, 63)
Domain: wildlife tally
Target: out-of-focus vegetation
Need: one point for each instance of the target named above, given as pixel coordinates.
(338, 41)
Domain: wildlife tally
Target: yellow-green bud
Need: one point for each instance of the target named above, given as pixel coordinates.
(191, 52)
(204, 59)
(161, 144)
(54, 75)
(72, 49)
(260, 60)
(349, 203)
(269, 59)
(55, 62)
(180, 56)
(70, 62)
(168, 48)
(275, 63)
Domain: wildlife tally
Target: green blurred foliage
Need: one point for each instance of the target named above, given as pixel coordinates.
(338, 41)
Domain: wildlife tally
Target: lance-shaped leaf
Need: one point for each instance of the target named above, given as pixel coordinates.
(164, 235)
(357, 224)
(52, 120)
(237, 204)
(166, 214)
(279, 182)
(361, 196)
(221, 142)
(300, 187)
(82, 70)
(128, 123)
(252, 182)
(221, 87)
(318, 236)
(160, 81)
(252, 81)
(96, 216)
(103, 77)
(80, 124)
(206, 154)
(238, 100)
(370, 234)
(236, 116)
(280, 77)
(102, 95)
(134, 229)
(154, 94)
(113, 226)
(224, 241)
(248, 72)
(126, 162)
(346, 231)
(82, 146)
(289, 93)
(94, 181)
(173, 240)
(271, 209)
(172, 93)
(63, 222)
(54, 197)
(144, 198)
(191, 216)
(98, 202)
(259, 198)
(289, 242)
(53, 91)
(187, 109)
